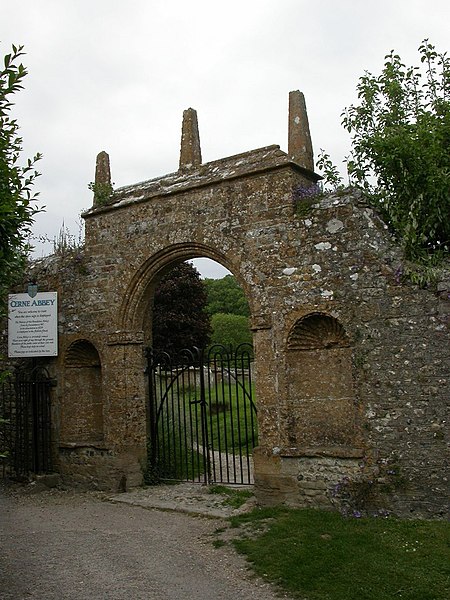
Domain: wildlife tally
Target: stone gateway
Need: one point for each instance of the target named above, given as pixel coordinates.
(352, 363)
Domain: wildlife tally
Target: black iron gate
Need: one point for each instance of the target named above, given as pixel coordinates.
(202, 415)
(25, 423)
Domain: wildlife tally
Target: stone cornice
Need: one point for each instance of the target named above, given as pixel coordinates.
(250, 163)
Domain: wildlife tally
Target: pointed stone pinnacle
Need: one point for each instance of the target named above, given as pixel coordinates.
(190, 153)
(102, 169)
(299, 138)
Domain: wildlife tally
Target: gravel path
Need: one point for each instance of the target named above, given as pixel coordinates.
(57, 545)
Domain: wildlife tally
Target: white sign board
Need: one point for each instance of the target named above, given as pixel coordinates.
(33, 325)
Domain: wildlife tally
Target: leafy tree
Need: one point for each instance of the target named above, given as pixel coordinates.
(230, 330)
(229, 312)
(400, 154)
(401, 149)
(17, 206)
(180, 319)
(226, 296)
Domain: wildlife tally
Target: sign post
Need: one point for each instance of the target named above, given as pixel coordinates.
(33, 324)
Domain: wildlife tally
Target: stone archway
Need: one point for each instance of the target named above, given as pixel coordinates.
(239, 211)
(310, 264)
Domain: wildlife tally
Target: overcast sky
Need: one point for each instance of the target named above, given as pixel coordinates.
(116, 76)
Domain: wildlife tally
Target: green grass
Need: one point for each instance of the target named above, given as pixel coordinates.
(176, 463)
(231, 426)
(319, 555)
(234, 497)
(234, 421)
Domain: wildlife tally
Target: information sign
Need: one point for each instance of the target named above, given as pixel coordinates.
(33, 325)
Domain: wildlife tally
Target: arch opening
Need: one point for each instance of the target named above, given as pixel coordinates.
(202, 409)
(138, 300)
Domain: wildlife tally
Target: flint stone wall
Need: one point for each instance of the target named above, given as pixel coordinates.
(352, 363)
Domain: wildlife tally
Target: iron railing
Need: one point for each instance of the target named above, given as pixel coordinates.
(25, 423)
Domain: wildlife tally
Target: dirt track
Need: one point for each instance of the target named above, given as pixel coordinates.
(70, 546)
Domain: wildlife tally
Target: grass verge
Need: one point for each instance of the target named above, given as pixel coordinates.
(234, 497)
(320, 555)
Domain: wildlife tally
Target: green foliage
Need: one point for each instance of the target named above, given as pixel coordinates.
(17, 207)
(229, 312)
(401, 149)
(320, 555)
(230, 330)
(188, 311)
(422, 273)
(102, 192)
(226, 296)
(180, 319)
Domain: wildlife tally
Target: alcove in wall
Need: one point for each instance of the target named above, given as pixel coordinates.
(81, 414)
(321, 408)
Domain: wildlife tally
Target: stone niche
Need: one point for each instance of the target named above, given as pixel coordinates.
(320, 421)
(321, 405)
(81, 411)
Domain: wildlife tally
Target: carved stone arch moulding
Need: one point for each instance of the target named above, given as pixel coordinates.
(317, 331)
(135, 300)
